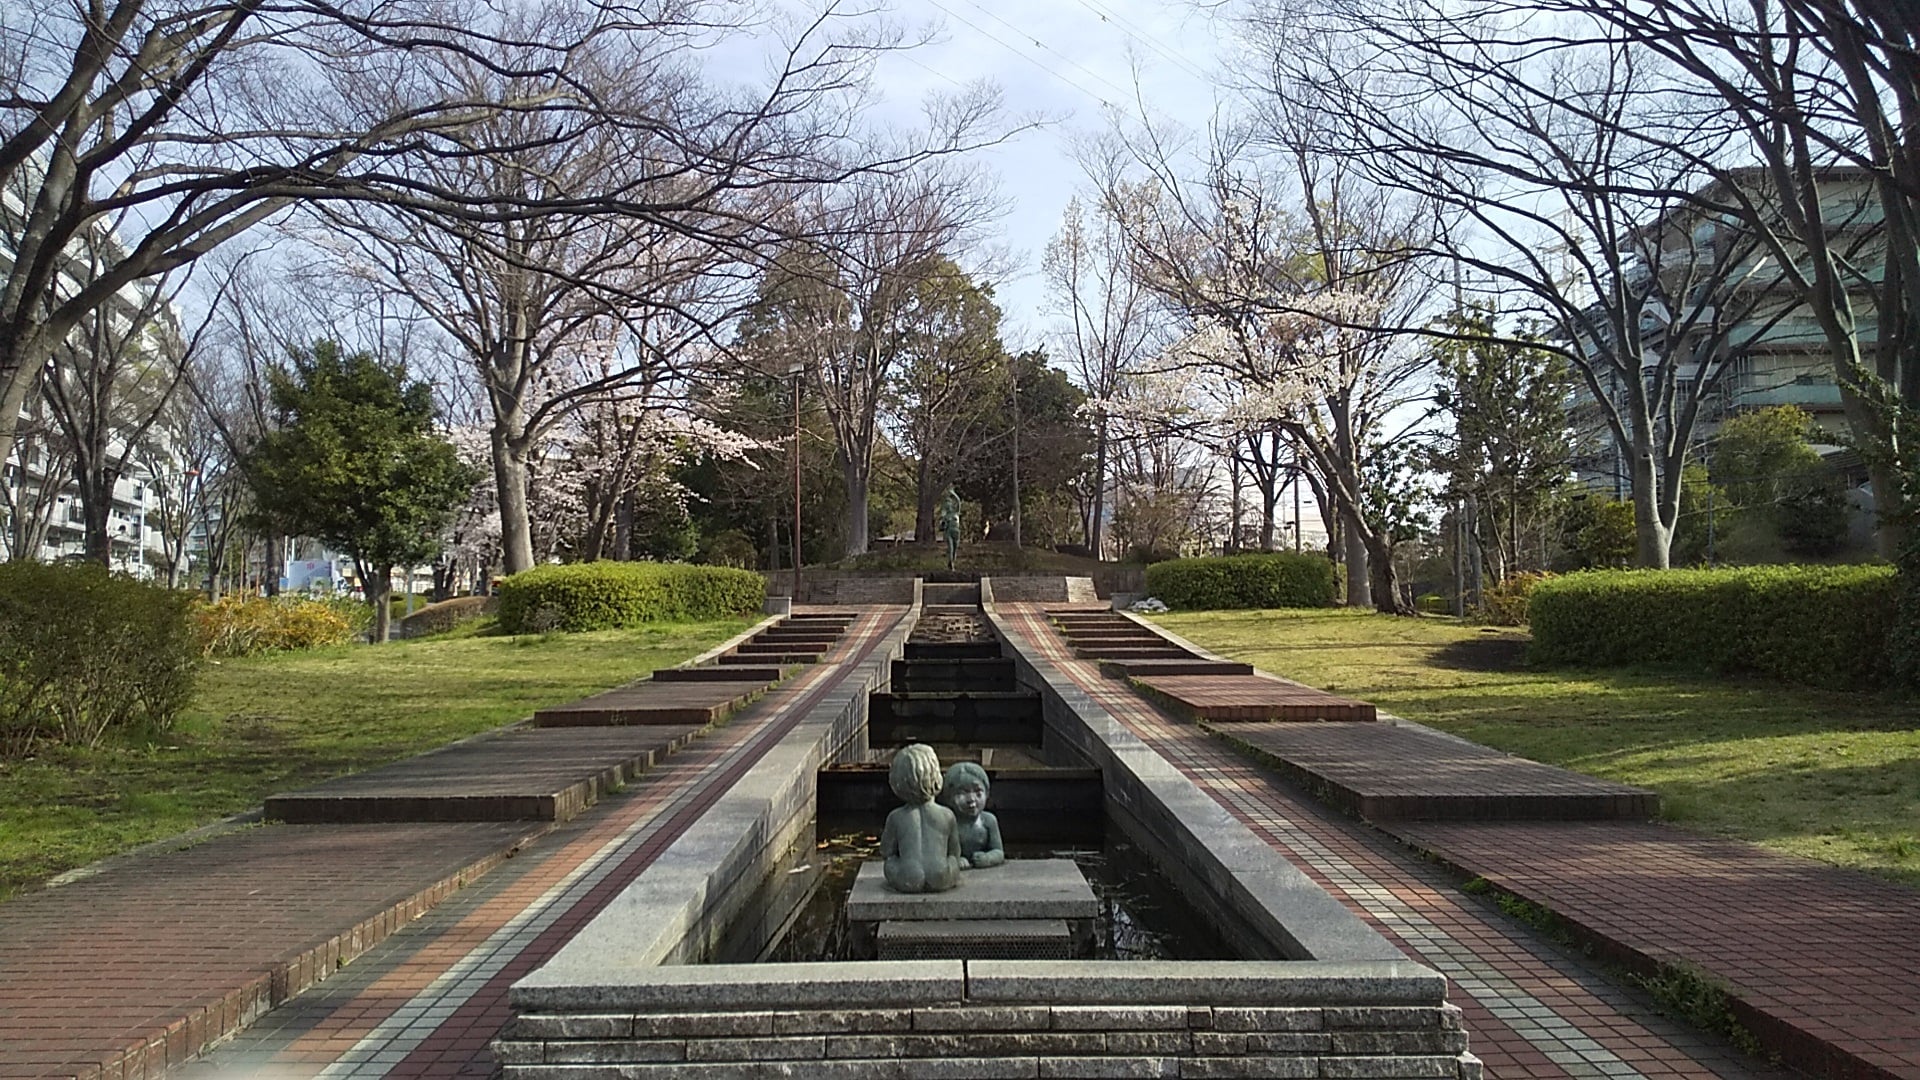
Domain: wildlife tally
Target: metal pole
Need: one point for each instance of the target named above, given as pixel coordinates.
(796, 485)
(1014, 367)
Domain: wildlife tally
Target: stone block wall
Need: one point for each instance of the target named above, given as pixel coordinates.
(953, 1018)
(830, 587)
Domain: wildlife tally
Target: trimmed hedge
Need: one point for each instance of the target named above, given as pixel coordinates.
(604, 595)
(84, 652)
(1281, 580)
(1820, 625)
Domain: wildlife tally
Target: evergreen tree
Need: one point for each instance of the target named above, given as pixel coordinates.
(355, 463)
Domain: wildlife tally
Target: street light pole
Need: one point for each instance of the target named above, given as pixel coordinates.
(798, 369)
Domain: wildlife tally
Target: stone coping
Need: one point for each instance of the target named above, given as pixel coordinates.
(1299, 919)
(665, 913)
(866, 983)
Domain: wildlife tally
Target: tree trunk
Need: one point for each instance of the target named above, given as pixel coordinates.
(1652, 535)
(1095, 525)
(923, 508)
(16, 380)
(623, 528)
(1383, 576)
(94, 509)
(516, 526)
(1359, 570)
(1269, 501)
(379, 588)
(857, 480)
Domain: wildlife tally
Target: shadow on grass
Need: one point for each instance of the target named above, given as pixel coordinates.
(1501, 652)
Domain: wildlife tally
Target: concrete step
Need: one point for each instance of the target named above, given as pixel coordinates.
(943, 650)
(738, 657)
(766, 648)
(967, 705)
(710, 673)
(985, 675)
(936, 593)
(655, 702)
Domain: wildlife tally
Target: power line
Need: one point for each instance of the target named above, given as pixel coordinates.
(1116, 88)
(1143, 37)
(989, 35)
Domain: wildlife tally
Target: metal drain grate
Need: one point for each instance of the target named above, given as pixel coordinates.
(975, 939)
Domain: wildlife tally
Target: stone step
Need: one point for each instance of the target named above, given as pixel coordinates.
(1133, 669)
(1120, 652)
(986, 675)
(714, 673)
(737, 657)
(963, 705)
(528, 774)
(655, 702)
(783, 637)
(954, 650)
(975, 939)
(932, 593)
(761, 648)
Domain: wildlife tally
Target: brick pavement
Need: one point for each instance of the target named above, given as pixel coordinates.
(1394, 771)
(1822, 963)
(523, 774)
(1532, 1009)
(427, 1002)
(134, 969)
(175, 949)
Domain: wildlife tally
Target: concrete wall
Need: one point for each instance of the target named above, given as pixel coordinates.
(628, 998)
(1265, 905)
(831, 587)
(994, 1018)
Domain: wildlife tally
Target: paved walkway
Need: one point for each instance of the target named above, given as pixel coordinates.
(157, 948)
(1824, 963)
(425, 999)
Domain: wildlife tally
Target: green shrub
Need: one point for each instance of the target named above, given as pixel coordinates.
(1505, 602)
(83, 652)
(1821, 625)
(247, 625)
(1283, 580)
(603, 595)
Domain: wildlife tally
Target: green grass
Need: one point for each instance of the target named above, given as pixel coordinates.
(270, 723)
(1825, 774)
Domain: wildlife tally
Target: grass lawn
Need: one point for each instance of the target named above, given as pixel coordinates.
(286, 720)
(1824, 774)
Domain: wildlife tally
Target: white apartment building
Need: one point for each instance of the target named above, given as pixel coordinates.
(40, 505)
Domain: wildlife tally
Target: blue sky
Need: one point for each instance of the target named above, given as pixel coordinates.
(1062, 59)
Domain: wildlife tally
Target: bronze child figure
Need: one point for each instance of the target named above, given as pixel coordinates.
(921, 841)
(966, 792)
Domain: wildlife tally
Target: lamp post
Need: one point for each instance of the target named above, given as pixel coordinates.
(796, 369)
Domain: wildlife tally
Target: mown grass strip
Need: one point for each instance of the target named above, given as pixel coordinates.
(286, 720)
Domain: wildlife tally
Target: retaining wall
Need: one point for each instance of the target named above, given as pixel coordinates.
(995, 1018)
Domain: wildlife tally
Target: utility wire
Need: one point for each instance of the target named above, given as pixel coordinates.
(1143, 37)
(989, 35)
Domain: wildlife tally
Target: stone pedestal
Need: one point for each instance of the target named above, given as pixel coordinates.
(1022, 909)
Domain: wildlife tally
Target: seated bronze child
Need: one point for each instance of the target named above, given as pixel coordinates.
(966, 793)
(921, 842)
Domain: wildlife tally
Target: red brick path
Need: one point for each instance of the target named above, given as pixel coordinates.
(1530, 1010)
(161, 948)
(1824, 963)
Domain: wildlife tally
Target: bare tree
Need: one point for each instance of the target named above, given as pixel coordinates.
(1111, 326)
(32, 483)
(1825, 95)
(837, 304)
(1284, 268)
(195, 118)
(1561, 196)
(108, 384)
